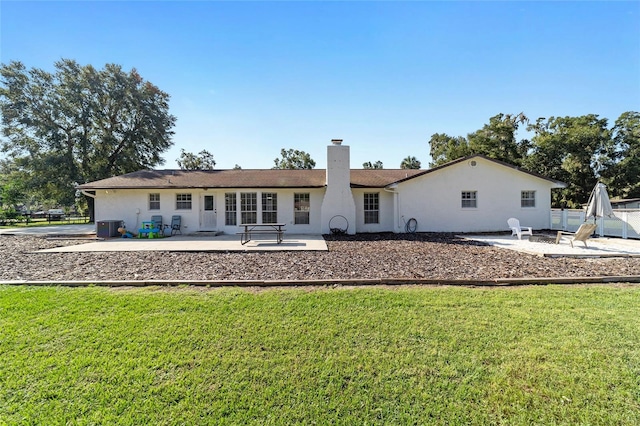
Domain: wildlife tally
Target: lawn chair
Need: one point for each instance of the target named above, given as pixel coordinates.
(157, 223)
(517, 229)
(582, 234)
(176, 222)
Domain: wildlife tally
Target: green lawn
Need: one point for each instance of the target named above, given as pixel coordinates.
(530, 355)
(44, 222)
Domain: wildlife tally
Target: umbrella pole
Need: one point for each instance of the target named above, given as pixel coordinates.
(586, 210)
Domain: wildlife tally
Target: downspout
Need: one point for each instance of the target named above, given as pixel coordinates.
(88, 194)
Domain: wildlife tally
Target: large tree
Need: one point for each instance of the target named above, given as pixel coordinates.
(201, 161)
(623, 174)
(12, 194)
(294, 159)
(496, 140)
(12, 187)
(79, 124)
(572, 150)
(444, 148)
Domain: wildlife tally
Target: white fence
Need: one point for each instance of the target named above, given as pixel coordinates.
(624, 224)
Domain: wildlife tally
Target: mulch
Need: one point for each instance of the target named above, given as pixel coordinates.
(437, 256)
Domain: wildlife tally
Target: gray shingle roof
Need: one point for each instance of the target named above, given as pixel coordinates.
(271, 178)
(244, 178)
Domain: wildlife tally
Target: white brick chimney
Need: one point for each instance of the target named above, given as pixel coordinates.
(338, 199)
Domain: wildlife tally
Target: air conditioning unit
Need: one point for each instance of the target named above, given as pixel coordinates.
(108, 228)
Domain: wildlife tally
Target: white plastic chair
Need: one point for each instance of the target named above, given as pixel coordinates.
(517, 229)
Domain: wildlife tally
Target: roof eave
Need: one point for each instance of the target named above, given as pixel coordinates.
(93, 188)
(358, 186)
(556, 183)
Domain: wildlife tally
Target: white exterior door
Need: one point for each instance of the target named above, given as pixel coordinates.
(208, 213)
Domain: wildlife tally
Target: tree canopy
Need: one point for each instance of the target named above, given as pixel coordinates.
(201, 161)
(370, 165)
(497, 140)
(79, 124)
(410, 163)
(12, 188)
(570, 149)
(445, 148)
(623, 173)
(294, 159)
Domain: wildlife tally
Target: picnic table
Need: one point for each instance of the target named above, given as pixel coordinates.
(251, 229)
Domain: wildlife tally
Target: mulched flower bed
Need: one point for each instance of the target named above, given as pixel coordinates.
(364, 256)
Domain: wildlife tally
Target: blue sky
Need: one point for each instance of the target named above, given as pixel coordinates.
(249, 78)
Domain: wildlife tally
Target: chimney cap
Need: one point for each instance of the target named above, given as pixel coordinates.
(336, 141)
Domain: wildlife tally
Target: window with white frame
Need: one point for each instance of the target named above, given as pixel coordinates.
(269, 207)
(248, 207)
(230, 209)
(469, 199)
(154, 201)
(183, 201)
(528, 199)
(301, 208)
(372, 207)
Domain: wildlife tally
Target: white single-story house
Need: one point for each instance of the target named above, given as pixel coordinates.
(471, 194)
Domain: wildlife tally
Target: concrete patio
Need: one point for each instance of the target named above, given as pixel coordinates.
(202, 242)
(197, 243)
(596, 247)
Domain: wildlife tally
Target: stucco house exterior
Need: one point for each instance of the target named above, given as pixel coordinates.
(471, 194)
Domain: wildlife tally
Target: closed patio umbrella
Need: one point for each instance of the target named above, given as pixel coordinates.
(599, 204)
